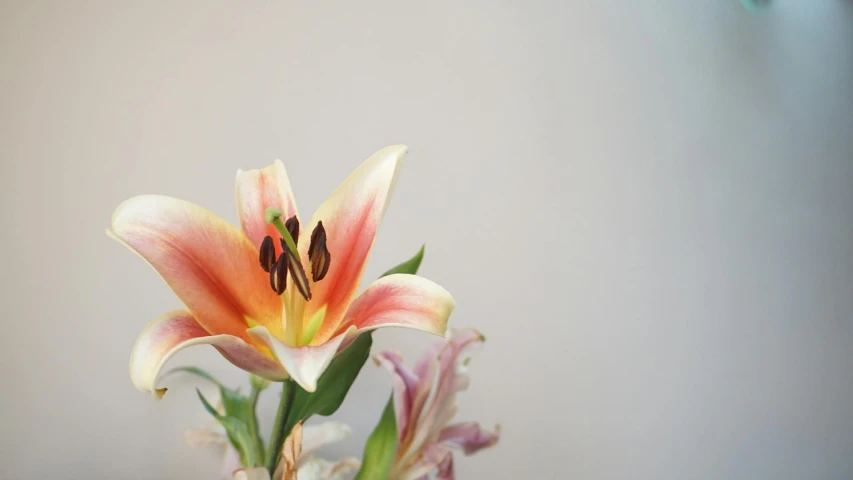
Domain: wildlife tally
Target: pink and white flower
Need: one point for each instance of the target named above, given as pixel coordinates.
(425, 404)
(249, 312)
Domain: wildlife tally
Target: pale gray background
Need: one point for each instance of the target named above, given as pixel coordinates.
(646, 206)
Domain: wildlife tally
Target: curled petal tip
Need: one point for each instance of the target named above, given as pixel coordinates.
(176, 330)
(396, 152)
(399, 149)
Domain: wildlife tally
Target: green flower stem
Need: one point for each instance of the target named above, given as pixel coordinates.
(279, 433)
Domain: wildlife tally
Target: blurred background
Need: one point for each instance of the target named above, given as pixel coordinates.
(647, 207)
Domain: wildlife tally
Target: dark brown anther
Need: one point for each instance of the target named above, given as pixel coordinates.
(298, 274)
(318, 254)
(292, 226)
(267, 256)
(278, 274)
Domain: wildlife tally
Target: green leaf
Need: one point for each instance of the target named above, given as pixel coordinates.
(242, 408)
(410, 266)
(333, 385)
(237, 406)
(381, 447)
(238, 433)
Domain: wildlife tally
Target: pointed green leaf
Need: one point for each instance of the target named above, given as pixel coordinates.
(381, 447)
(333, 385)
(410, 266)
(236, 406)
(238, 433)
(242, 408)
(207, 405)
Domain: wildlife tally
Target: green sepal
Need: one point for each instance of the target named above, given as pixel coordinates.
(381, 447)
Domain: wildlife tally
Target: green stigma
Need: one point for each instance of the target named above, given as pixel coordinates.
(272, 214)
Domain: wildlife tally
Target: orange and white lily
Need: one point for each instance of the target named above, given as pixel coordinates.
(245, 307)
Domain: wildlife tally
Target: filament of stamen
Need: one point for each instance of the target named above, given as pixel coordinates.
(290, 320)
(298, 309)
(292, 301)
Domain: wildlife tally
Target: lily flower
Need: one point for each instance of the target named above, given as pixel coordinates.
(234, 282)
(303, 441)
(425, 403)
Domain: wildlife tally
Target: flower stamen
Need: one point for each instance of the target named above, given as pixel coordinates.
(292, 226)
(289, 261)
(267, 254)
(298, 274)
(318, 253)
(278, 274)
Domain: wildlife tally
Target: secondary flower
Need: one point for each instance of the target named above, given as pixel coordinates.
(425, 403)
(235, 285)
(307, 466)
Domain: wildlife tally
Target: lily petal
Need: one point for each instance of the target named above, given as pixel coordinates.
(315, 468)
(432, 457)
(449, 379)
(290, 453)
(230, 463)
(405, 386)
(469, 436)
(401, 300)
(445, 469)
(203, 437)
(304, 364)
(418, 429)
(258, 190)
(211, 265)
(256, 473)
(455, 354)
(316, 436)
(351, 217)
(176, 330)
